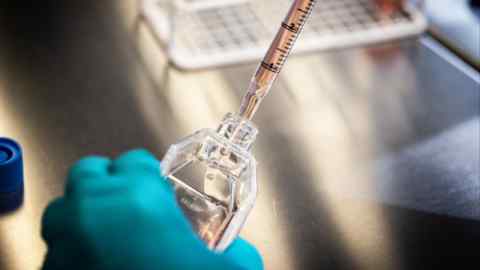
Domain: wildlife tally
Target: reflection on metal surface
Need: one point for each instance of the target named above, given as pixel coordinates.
(333, 158)
(319, 133)
(451, 59)
(19, 231)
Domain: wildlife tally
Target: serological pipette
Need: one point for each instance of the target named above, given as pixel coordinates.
(213, 171)
(278, 52)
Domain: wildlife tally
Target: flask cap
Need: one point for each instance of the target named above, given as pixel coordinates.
(11, 174)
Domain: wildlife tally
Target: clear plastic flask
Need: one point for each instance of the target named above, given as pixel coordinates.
(214, 176)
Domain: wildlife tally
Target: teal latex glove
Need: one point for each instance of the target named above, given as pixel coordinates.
(123, 215)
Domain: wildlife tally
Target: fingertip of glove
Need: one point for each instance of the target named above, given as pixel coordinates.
(134, 160)
(244, 255)
(88, 165)
(136, 154)
(86, 168)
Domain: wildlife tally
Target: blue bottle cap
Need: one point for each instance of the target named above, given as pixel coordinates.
(11, 175)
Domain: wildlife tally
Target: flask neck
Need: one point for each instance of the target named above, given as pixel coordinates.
(240, 131)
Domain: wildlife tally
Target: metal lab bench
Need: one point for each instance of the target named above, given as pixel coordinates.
(368, 157)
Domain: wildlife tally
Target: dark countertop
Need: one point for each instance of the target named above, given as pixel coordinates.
(368, 158)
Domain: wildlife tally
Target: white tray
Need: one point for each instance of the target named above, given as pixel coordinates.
(213, 33)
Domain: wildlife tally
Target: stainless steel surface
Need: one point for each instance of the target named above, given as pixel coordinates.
(352, 173)
(457, 24)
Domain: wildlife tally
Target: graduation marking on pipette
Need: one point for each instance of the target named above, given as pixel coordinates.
(276, 56)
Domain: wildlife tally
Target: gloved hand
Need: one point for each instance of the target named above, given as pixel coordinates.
(123, 215)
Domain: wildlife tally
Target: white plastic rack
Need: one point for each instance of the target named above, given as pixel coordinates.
(210, 33)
